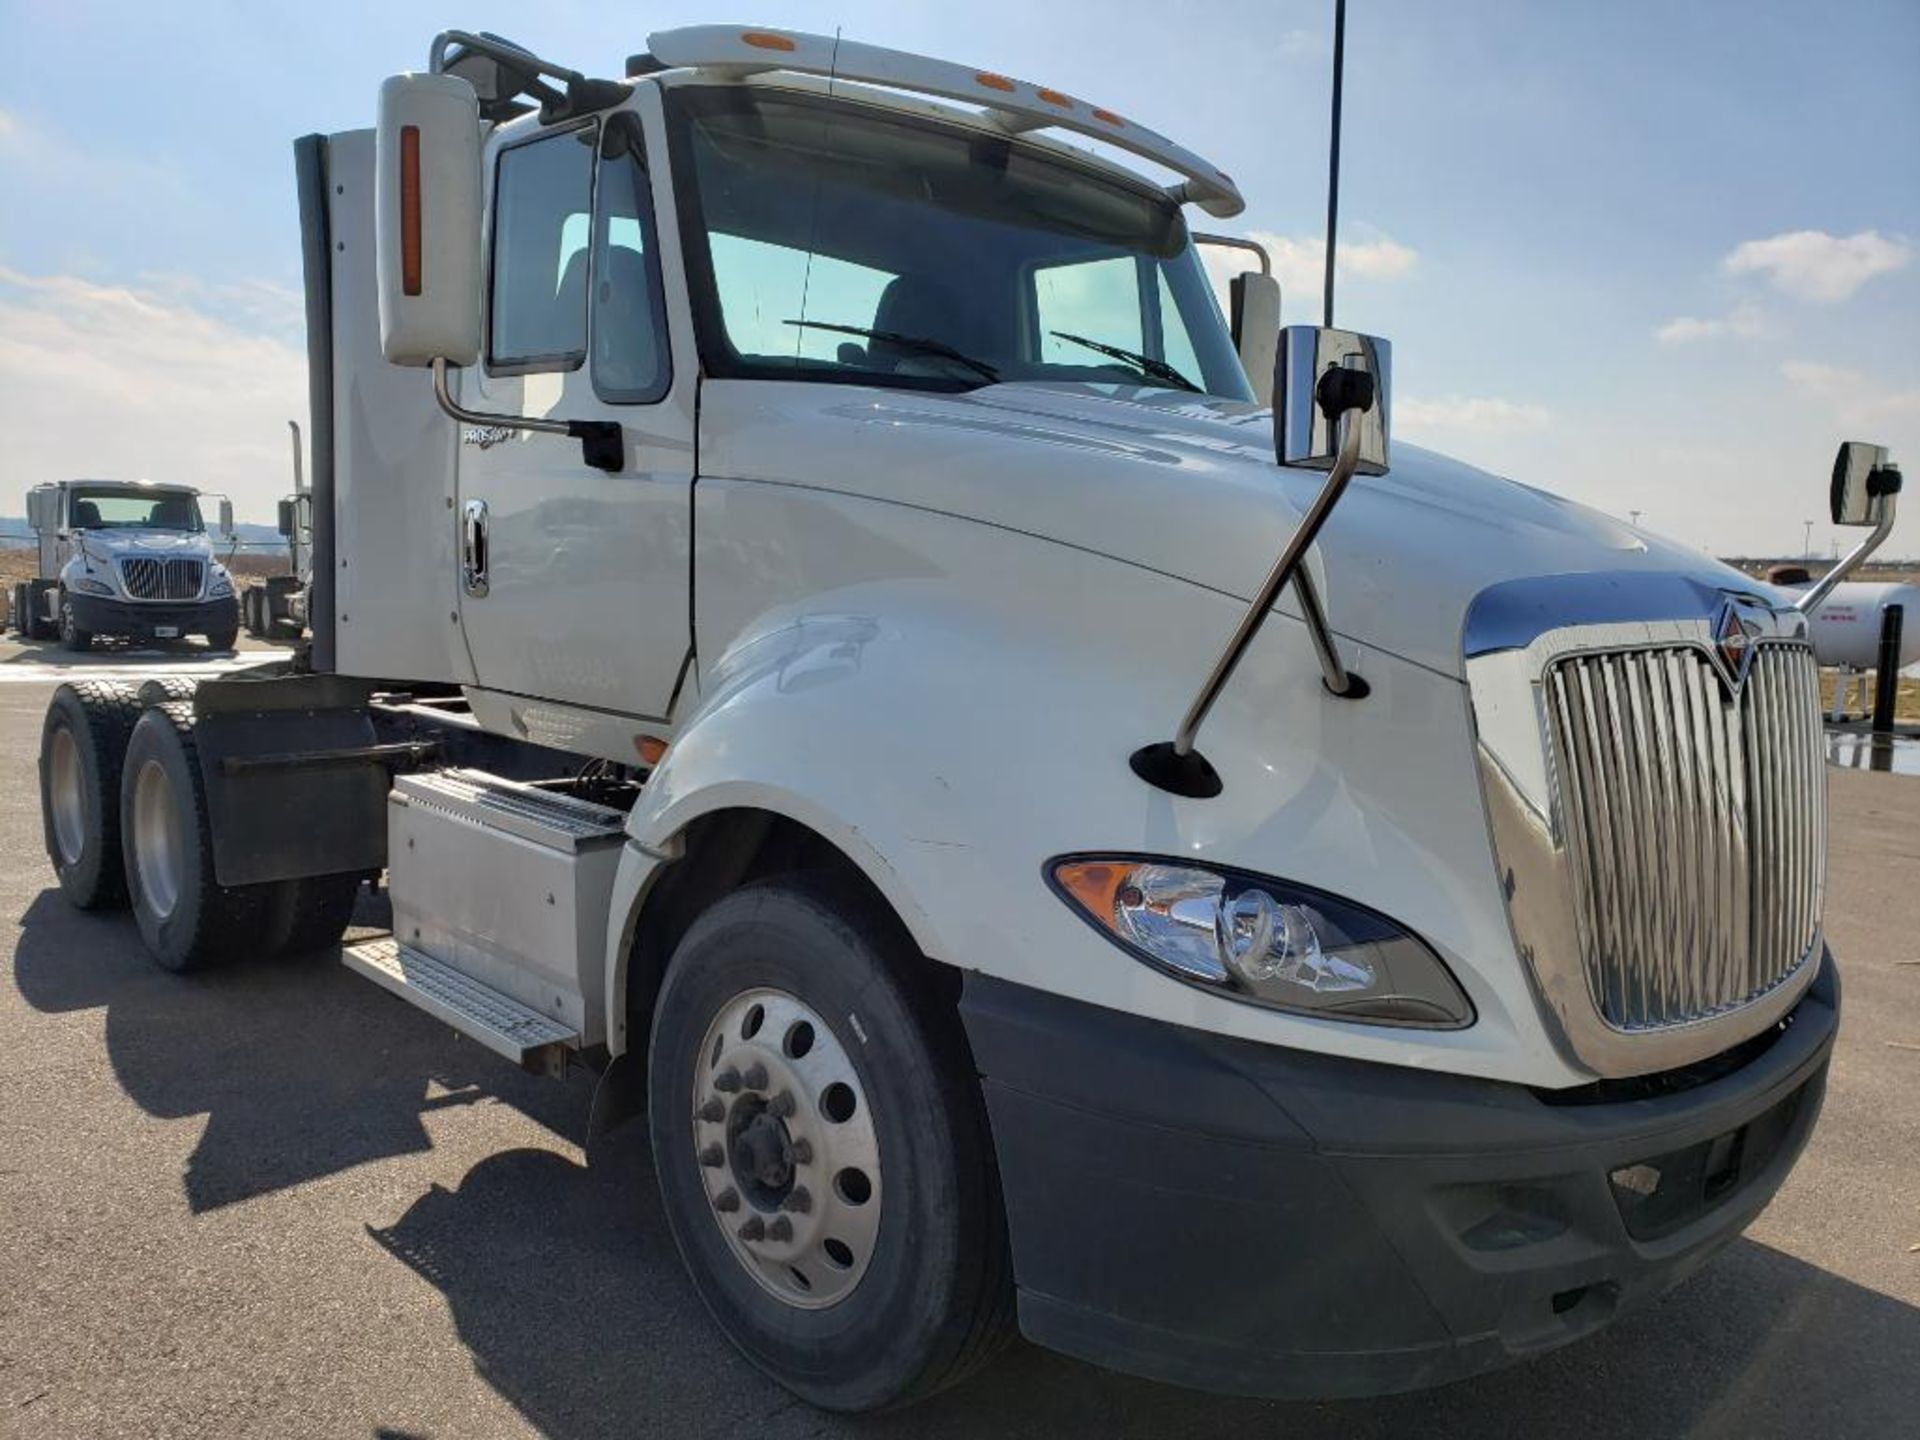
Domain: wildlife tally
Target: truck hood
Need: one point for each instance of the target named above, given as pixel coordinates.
(112, 544)
(1185, 485)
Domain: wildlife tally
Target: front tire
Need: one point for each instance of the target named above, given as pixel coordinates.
(82, 747)
(72, 636)
(223, 639)
(186, 917)
(822, 1149)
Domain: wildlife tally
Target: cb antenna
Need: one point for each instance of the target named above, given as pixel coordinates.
(1333, 149)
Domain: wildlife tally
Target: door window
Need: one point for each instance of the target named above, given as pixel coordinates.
(543, 194)
(630, 358)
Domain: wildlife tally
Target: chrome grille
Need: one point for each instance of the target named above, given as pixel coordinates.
(155, 579)
(1695, 822)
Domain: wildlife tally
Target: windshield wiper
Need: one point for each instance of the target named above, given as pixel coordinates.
(924, 344)
(1153, 369)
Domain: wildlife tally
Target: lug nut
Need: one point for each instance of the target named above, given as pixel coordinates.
(714, 1111)
(801, 1200)
(713, 1157)
(803, 1152)
(781, 1229)
(781, 1105)
(753, 1229)
(727, 1200)
(727, 1081)
(756, 1077)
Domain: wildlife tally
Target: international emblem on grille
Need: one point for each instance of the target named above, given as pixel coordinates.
(1735, 630)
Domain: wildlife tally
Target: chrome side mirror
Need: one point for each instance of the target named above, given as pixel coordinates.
(1864, 489)
(1306, 433)
(1864, 484)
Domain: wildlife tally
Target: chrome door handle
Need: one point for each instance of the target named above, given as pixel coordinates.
(473, 547)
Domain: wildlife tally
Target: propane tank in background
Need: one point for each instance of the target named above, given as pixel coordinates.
(1846, 627)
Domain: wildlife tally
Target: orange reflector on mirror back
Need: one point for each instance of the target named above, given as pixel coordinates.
(410, 209)
(766, 40)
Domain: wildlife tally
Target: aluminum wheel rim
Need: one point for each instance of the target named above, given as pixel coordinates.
(65, 792)
(156, 839)
(785, 1146)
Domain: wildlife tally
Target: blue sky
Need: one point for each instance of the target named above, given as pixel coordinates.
(1656, 256)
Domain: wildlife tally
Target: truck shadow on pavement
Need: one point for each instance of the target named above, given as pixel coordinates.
(301, 1069)
(1757, 1344)
(562, 1281)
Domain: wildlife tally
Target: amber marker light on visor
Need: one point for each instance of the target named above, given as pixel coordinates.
(766, 40)
(410, 209)
(1264, 941)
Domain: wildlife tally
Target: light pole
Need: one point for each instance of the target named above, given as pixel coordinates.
(1633, 518)
(1807, 548)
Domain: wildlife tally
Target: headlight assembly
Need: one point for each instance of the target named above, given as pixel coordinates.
(222, 583)
(87, 585)
(1262, 940)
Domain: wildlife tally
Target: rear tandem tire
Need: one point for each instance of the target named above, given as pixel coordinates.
(37, 626)
(186, 917)
(82, 747)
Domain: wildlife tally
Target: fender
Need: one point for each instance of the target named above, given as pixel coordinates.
(956, 721)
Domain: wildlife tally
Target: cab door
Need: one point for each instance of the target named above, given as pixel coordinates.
(574, 583)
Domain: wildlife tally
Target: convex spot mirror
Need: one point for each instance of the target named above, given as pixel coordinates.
(426, 219)
(1864, 484)
(1303, 434)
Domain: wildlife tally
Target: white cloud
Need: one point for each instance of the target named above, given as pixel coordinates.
(146, 381)
(1813, 265)
(1744, 321)
(1300, 262)
(1463, 415)
(1856, 399)
(9, 127)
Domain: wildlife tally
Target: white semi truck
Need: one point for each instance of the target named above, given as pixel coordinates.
(124, 558)
(814, 614)
(276, 608)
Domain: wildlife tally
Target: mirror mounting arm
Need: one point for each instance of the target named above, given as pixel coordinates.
(1884, 485)
(602, 445)
(1174, 765)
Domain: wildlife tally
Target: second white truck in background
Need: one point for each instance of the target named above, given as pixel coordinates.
(126, 559)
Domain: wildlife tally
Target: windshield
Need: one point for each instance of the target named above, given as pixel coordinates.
(103, 508)
(845, 243)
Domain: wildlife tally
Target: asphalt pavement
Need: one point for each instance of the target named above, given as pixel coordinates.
(275, 1201)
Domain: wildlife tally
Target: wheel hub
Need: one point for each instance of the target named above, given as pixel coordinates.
(156, 839)
(785, 1147)
(65, 792)
(762, 1155)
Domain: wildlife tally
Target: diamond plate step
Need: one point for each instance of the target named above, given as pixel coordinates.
(499, 1022)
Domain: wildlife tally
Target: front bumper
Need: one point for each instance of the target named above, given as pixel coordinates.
(138, 620)
(1241, 1218)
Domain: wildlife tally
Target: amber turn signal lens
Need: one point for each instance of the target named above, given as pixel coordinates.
(410, 278)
